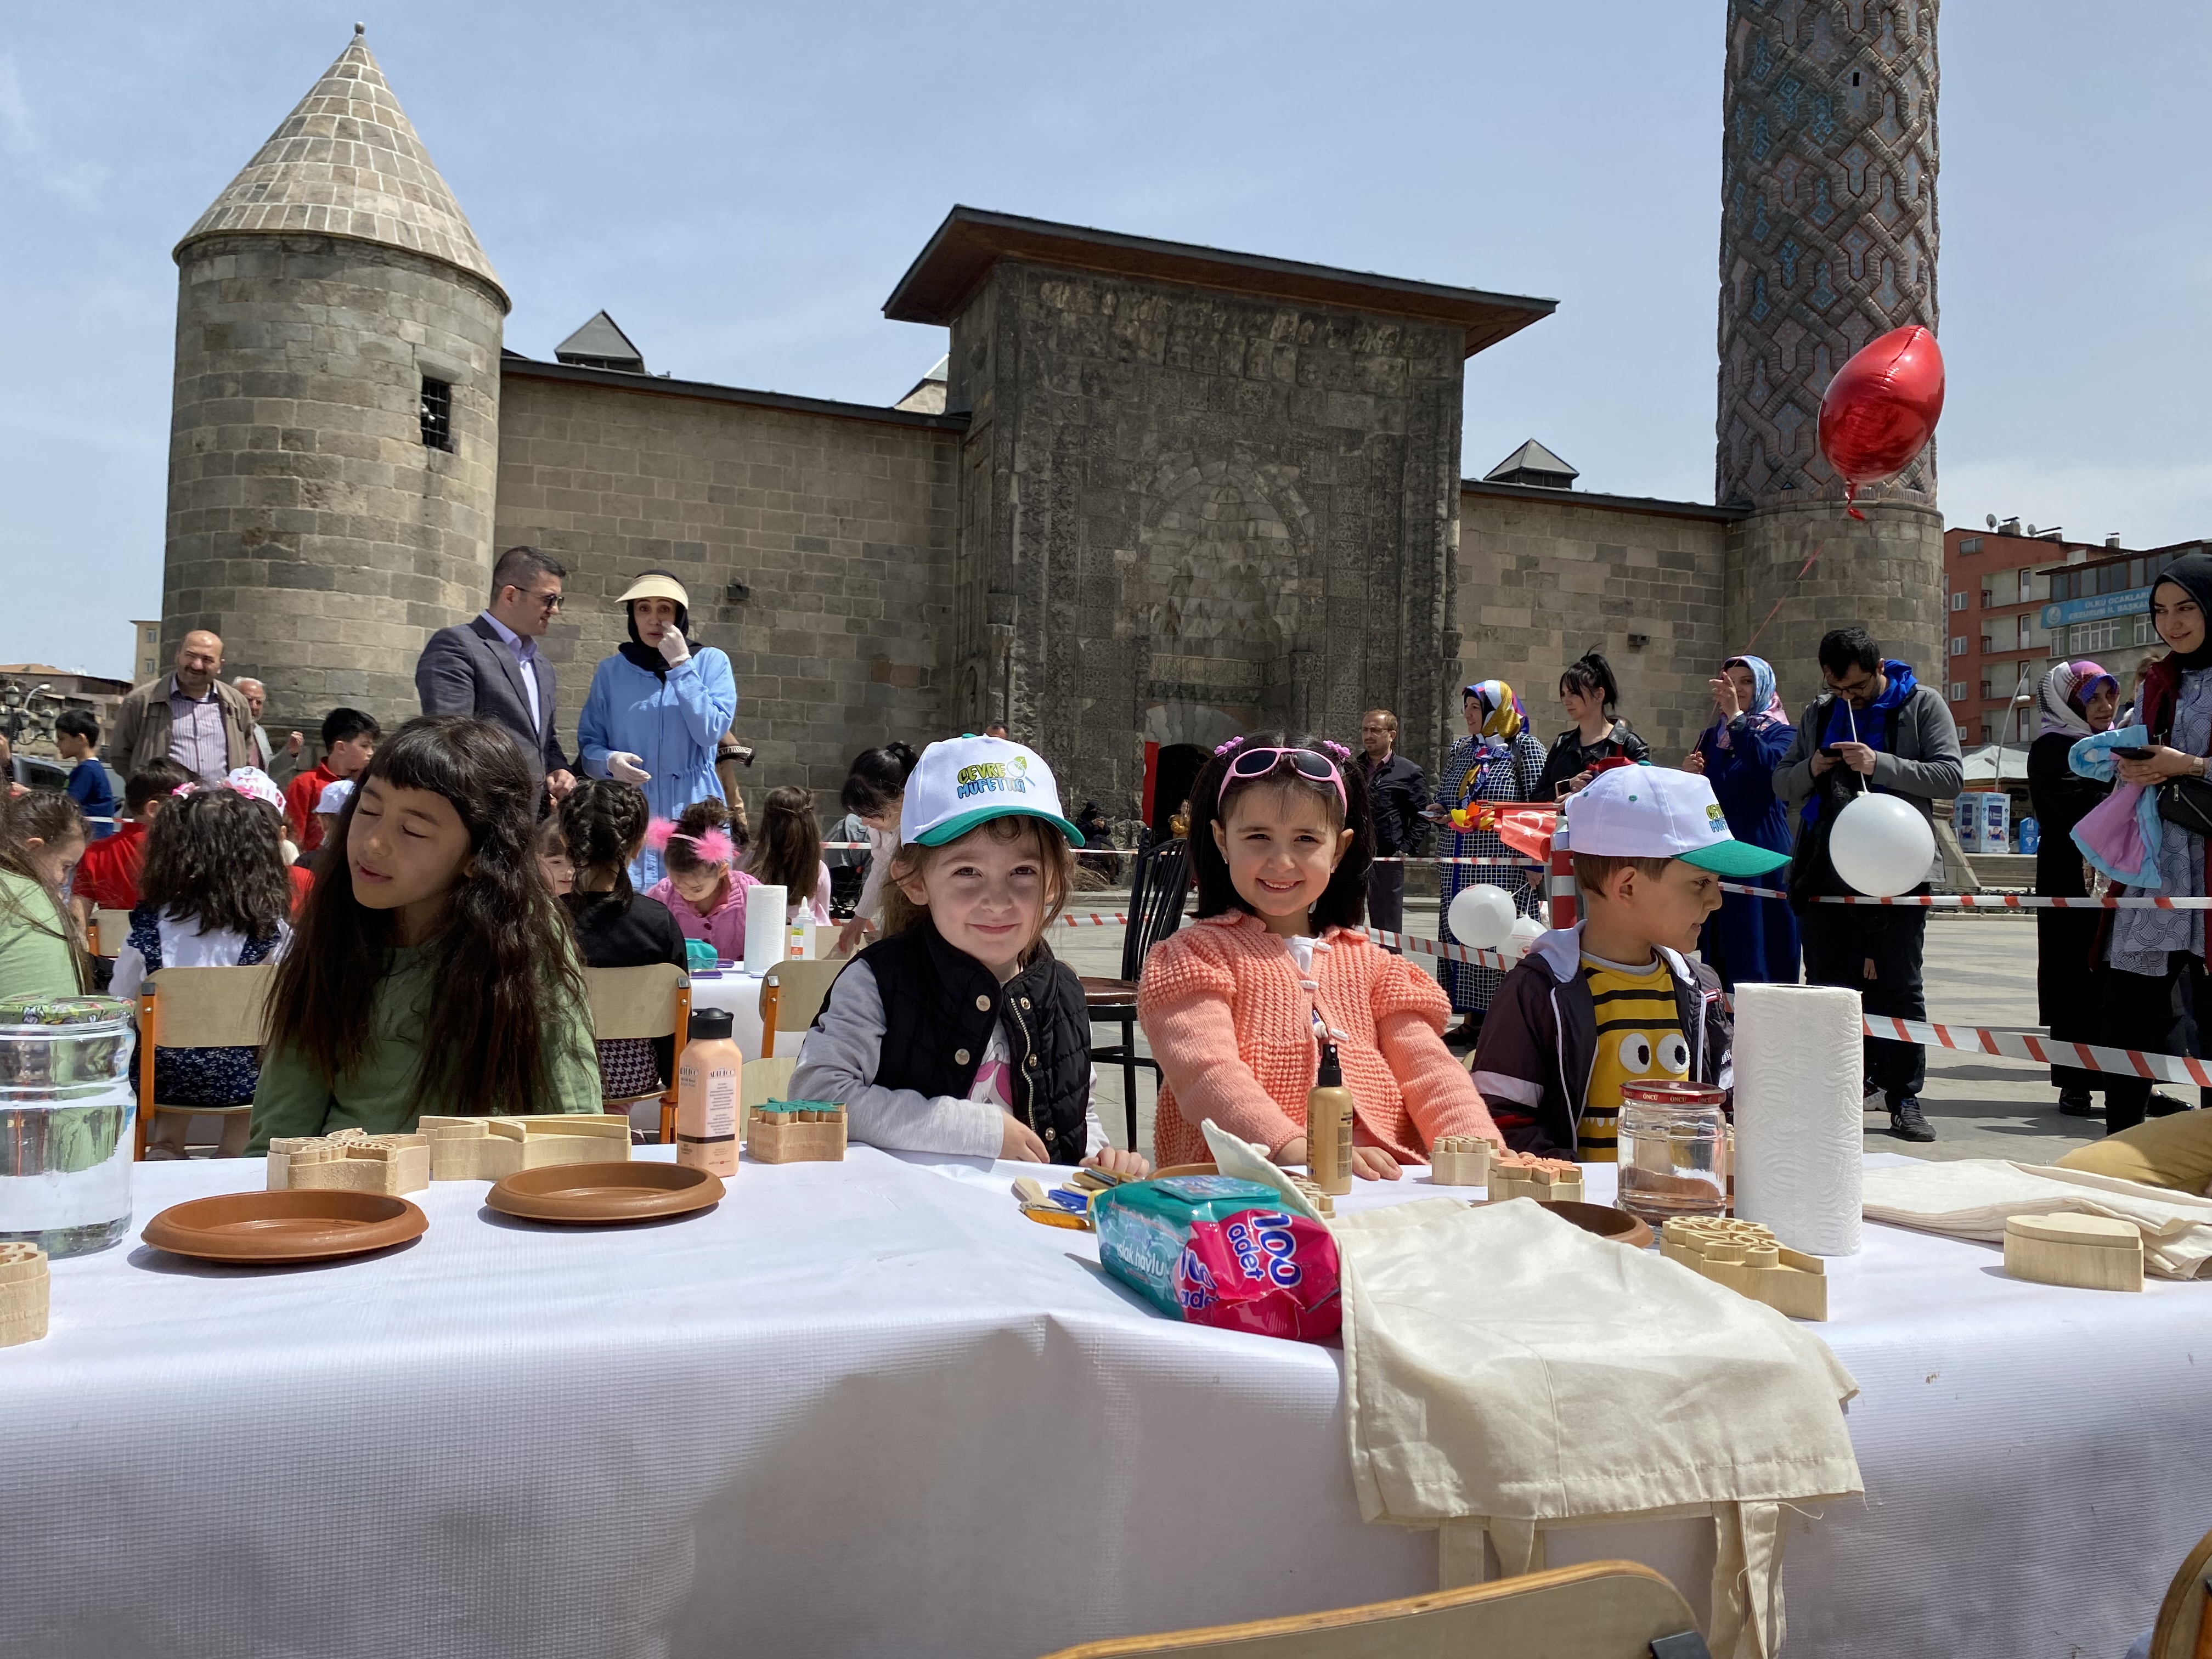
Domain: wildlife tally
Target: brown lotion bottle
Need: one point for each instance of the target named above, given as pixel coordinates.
(706, 1095)
(1328, 1127)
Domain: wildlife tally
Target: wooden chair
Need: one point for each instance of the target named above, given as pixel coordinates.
(1158, 890)
(763, 1080)
(197, 1008)
(111, 929)
(2184, 1629)
(647, 1002)
(1599, 1610)
(792, 993)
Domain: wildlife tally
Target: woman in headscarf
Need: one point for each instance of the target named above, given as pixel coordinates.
(2076, 699)
(2146, 951)
(1499, 759)
(657, 708)
(1749, 938)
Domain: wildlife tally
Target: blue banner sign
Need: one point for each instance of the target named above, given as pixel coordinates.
(2097, 607)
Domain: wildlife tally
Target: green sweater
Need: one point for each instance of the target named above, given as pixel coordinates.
(34, 953)
(290, 1099)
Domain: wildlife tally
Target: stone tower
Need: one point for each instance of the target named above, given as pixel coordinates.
(1828, 238)
(334, 450)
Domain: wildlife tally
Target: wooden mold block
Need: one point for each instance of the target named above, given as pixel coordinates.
(494, 1148)
(1460, 1161)
(351, 1162)
(1746, 1257)
(791, 1132)
(24, 1286)
(1546, 1183)
(2087, 1252)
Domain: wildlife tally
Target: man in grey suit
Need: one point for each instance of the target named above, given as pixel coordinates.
(492, 667)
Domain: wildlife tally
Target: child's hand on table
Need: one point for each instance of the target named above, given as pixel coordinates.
(1368, 1163)
(1114, 1161)
(1018, 1143)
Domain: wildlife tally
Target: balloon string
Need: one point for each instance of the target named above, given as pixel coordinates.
(1818, 548)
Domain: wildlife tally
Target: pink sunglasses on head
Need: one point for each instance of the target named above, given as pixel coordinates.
(1250, 765)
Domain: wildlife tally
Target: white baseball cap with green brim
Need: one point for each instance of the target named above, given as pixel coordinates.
(964, 781)
(1656, 812)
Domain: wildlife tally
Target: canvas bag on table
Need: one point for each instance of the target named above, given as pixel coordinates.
(1503, 1369)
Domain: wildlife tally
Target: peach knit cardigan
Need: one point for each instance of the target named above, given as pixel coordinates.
(1229, 1021)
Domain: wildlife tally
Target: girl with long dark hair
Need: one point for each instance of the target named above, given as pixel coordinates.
(214, 892)
(431, 967)
(788, 854)
(1237, 1008)
(603, 824)
(1588, 692)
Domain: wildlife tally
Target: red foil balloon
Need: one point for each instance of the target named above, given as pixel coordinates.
(1880, 409)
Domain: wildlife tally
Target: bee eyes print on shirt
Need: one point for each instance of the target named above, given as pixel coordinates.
(1636, 1056)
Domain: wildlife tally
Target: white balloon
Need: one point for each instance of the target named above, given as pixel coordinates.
(1880, 846)
(1481, 916)
(1526, 930)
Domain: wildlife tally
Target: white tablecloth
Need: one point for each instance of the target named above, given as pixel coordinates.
(739, 992)
(866, 1408)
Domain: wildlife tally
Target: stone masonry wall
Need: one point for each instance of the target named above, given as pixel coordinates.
(1540, 582)
(843, 528)
(1209, 510)
(308, 524)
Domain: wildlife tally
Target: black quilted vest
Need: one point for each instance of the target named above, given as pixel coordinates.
(939, 1006)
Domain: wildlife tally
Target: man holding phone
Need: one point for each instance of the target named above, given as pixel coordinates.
(1876, 728)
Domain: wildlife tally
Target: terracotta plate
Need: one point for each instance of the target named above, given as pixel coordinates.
(601, 1193)
(280, 1227)
(1603, 1220)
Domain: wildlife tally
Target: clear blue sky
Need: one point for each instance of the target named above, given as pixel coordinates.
(740, 186)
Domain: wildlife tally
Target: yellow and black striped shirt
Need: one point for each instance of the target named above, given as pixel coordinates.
(1639, 1040)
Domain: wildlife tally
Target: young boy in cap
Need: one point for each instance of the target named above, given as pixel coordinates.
(1617, 999)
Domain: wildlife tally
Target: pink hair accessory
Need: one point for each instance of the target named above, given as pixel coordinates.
(186, 788)
(1233, 743)
(657, 834)
(713, 848)
(1336, 749)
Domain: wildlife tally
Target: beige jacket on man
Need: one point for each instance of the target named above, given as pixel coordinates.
(140, 733)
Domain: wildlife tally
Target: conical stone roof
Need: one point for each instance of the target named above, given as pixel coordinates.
(346, 163)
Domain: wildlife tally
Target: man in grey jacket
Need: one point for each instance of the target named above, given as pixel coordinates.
(1876, 728)
(492, 667)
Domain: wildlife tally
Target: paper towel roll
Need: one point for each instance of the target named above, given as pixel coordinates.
(764, 928)
(1798, 1145)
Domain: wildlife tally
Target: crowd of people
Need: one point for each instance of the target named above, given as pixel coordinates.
(428, 899)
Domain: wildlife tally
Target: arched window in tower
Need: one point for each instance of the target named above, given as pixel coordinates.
(437, 414)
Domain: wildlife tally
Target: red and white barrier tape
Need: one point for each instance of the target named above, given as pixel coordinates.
(2042, 1050)
(1985, 901)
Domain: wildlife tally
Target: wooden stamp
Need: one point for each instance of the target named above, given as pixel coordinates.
(796, 1131)
(494, 1148)
(2087, 1252)
(350, 1161)
(1460, 1161)
(1546, 1180)
(24, 1287)
(1744, 1257)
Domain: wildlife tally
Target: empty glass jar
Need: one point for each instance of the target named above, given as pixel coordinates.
(1674, 1152)
(66, 1113)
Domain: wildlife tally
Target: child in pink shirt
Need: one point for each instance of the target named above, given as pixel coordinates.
(1238, 1005)
(702, 889)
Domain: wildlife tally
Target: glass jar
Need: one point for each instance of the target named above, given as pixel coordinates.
(66, 1112)
(1674, 1152)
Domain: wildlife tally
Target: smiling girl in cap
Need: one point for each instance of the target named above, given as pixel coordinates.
(961, 1032)
(657, 708)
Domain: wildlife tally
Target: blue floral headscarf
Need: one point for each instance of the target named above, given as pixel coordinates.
(1767, 702)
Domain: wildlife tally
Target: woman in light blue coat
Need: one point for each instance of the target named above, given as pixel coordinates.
(657, 708)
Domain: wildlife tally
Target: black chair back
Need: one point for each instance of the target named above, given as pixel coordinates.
(1157, 892)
